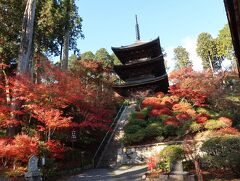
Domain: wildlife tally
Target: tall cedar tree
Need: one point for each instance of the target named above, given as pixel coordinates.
(182, 57)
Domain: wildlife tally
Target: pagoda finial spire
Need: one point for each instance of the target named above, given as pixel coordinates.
(137, 29)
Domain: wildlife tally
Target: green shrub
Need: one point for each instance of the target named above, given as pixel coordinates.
(131, 128)
(153, 130)
(214, 124)
(223, 152)
(140, 122)
(132, 116)
(195, 127)
(155, 120)
(135, 137)
(184, 129)
(206, 111)
(164, 117)
(169, 130)
(146, 110)
(169, 155)
(159, 138)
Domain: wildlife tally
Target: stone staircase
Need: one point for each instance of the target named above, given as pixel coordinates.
(109, 155)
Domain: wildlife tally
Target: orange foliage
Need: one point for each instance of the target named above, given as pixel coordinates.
(25, 147)
(225, 120)
(181, 107)
(228, 131)
(21, 148)
(159, 94)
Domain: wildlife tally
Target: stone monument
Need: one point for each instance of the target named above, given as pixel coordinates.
(33, 173)
(177, 173)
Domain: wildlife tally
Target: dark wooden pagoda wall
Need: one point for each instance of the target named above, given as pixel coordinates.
(144, 89)
(233, 15)
(150, 68)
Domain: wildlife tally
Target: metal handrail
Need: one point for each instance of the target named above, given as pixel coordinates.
(101, 146)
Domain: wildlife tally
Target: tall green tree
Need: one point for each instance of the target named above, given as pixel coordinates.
(225, 46)
(181, 57)
(58, 17)
(48, 32)
(224, 43)
(87, 56)
(11, 14)
(103, 56)
(49, 28)
(115, 59)
(207, 51)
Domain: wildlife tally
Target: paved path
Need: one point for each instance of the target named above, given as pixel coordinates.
(123, 173)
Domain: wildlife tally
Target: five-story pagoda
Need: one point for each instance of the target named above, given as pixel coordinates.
(142, 68)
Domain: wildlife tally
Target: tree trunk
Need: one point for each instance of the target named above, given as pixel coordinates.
(210, 64)
(25, 54)
(66, 37)
(65, 51)
(61, 52)
(27, 37)
(198, 170)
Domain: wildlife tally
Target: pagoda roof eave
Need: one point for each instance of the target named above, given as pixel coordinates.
(139, 63)
(137, 44)
(142, 82)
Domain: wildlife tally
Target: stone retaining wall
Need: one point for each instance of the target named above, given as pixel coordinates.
(139, 154)
(133, 155)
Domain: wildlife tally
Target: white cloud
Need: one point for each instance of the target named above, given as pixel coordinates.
(190, 43)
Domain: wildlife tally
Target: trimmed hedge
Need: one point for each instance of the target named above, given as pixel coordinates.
(223, 152)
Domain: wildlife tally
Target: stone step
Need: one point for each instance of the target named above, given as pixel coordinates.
(109, 158)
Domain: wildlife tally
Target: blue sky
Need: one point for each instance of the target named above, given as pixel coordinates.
(109, 23)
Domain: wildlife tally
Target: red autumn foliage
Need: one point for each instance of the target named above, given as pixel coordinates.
(183, 117)
(172, 121)
(191, 85)
(202, 118)
(25, 147)
(168, 104)
(225, 120)
(56, 149)
(151, 163)
(53, 101)
(55, 92)
(159, 112)
(21, 148)
(3, 66)
(10, 122)
(51, 118)
(197, 98)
